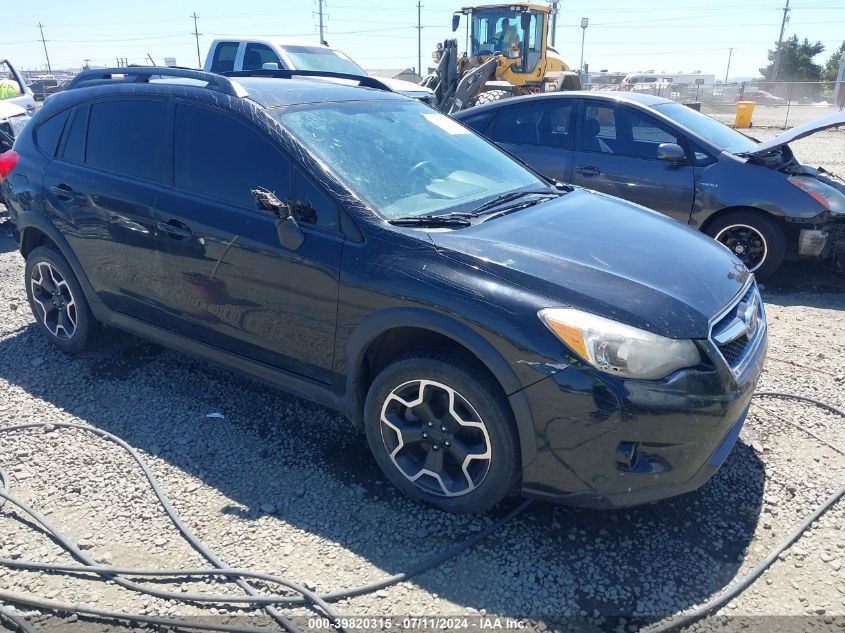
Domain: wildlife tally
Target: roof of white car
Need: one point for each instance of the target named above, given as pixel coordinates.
(278, 41)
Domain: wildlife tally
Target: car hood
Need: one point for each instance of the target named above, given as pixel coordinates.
(8, 110)
(608, 257)
(799, 131)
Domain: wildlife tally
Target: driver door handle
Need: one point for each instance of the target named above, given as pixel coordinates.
(175, 228)
(587, 170)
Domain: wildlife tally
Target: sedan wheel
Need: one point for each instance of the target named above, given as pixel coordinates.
(746, 242)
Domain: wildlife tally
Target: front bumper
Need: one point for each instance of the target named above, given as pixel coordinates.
(605, 443)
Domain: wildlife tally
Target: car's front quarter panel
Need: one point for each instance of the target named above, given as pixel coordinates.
(733, 182)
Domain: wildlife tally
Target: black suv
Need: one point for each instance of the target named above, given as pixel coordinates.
(487, 328)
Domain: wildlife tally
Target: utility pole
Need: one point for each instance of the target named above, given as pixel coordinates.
(730, 52)
(419, 38)
(87, 64)
(554, 20)
(585, 22)
(197, 35)
(44, 43)
(780, 42)
(322, 40)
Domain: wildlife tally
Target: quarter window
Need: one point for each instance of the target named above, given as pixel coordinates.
(125, 137)
(47, 134)
(217, 156)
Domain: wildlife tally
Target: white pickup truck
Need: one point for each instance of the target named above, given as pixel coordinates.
(257, 53)
(13, 88)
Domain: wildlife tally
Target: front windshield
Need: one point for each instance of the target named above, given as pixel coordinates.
(720, 135)
(403, 158)
(322, 59)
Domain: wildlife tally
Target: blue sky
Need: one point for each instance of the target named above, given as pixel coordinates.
(625, 35)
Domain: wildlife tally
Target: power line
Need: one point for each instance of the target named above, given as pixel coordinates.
(197, 36)
(44, 43)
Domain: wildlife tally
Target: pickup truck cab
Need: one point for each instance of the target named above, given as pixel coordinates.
(13, 88)
(255, 53)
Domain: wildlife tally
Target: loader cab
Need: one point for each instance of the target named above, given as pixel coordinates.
(518, 32)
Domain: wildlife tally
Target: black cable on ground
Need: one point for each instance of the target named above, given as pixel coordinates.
(16, 621)
(112, 572)
(758, 570)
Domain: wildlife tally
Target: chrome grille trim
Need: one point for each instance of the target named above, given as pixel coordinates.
(738, 330)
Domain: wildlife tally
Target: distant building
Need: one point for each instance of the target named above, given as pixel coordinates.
(407, 74)
(169, 61)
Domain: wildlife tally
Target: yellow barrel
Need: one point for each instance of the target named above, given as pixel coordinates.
(744, 110)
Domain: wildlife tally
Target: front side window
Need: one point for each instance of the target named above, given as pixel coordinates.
(624, 132)
(598, 131)
(256, 55)
(9, 85)
(402, 158)
(224, 57)
(220, 157)
(125, 137)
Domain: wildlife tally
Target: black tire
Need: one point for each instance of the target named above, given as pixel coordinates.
(55, 321)
(489, 97)
(569, 80)
(744, 232)
(479, 464)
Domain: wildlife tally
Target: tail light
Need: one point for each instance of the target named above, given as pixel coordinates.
(8, 160)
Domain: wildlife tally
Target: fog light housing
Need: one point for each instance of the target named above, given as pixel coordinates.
(812, 242)
(627, 454)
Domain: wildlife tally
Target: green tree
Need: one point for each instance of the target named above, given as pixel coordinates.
(796, 61)
(831, 69)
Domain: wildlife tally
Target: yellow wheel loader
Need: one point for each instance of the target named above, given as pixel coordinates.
(507, 54)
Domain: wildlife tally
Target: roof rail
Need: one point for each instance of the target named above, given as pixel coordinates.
(363, 80)
(142, 74)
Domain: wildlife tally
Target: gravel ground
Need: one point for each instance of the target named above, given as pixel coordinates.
(286, 486)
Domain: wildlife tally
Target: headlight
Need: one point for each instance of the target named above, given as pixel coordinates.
(617, 348)
(825, 195)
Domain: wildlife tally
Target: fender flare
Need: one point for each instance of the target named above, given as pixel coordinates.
(29, 221)
(377, 324)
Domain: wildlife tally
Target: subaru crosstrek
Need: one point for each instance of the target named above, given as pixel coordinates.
(490, 330)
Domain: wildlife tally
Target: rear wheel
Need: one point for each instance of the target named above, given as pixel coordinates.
(57, 302)
(489, 97)
(754, 238)
(442, 432)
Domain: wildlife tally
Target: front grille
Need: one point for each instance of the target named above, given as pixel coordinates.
(738, 330)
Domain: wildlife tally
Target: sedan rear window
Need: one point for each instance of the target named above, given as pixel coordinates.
(402, 158)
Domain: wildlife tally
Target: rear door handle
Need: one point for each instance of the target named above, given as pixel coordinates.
(62, 191)
(175, 228)
(587, 170)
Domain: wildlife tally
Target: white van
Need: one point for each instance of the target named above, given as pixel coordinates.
(256, 53)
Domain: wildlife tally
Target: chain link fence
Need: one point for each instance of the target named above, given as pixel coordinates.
(777, 103)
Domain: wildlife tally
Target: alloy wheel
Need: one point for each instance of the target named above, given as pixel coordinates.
(746, 242)
(435, 438)
(54, 301)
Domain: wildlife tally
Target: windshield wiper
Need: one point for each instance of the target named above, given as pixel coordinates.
(514, 195)
(445, 220)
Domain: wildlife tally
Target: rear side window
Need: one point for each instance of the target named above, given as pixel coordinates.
(48, 133)
(256, 55)
(224, 57)
(74, 145)
(545, 122)
(218, 156)
(125, 137)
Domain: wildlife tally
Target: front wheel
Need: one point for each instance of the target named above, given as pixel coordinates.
(754, 238)
(442, 432)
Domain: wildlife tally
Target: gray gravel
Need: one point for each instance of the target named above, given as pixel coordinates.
(279, 484)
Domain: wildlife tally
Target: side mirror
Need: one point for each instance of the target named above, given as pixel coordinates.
(290, 235)
(269, 66)
(456, 20)
(671, 152)
(525, 23)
